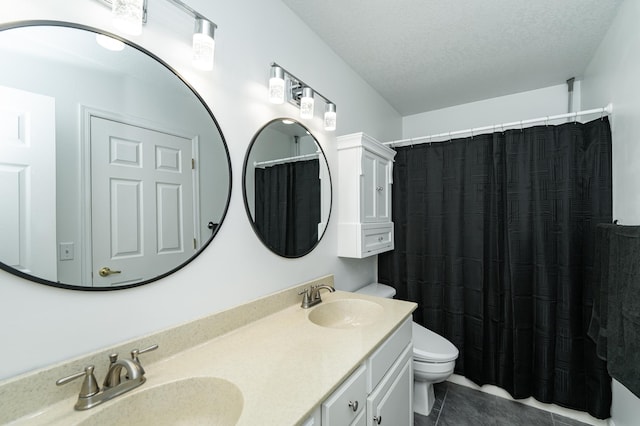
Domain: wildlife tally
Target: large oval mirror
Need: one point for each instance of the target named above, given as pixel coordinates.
(113, 171)
(287, 188)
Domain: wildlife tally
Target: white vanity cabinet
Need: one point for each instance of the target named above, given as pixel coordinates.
(379, 392)
(365, 176)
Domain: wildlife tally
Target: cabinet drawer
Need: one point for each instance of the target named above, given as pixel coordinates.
(376, 238)
(336, 409)
(384, 357)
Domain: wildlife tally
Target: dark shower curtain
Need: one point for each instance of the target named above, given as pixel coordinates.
(494, 239)
(287, 206)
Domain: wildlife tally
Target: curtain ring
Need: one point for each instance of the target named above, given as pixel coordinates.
(449, 136)
(521, 125)
(471, 133)
(546, 122)
(602, 114)
(430, 139)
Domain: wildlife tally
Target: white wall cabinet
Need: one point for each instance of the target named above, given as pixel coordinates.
(380, 391)
(365, 177)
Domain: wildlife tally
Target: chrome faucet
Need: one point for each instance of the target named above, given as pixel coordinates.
(311, 296)
(90, 393)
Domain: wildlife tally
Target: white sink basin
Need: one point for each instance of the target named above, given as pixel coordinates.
(346, 313)
(193, 401)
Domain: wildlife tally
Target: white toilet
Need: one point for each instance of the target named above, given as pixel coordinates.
(434, 357)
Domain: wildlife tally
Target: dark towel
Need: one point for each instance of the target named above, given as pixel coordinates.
(615, 322)
(600, 287)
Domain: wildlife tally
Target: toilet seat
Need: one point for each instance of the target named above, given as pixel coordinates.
(431, 347)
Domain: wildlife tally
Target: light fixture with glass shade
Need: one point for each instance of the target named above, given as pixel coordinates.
(128, 15)
(330, 116)
(203, 44)
(306, 103)
(285, 86)
(276, 85)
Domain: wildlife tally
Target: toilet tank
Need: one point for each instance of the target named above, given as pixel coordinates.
(379, 290)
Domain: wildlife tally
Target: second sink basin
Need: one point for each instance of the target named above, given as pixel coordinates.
(346, 313)
(193, 401)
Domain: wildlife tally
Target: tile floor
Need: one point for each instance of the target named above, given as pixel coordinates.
(458, 405)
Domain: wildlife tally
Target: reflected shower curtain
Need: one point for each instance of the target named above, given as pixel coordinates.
(288, 206)
(494, 239)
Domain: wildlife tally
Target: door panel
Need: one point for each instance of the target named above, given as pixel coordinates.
(382, 189)
(369, 210)
(169, 213)
(142, 200)
(27, 162)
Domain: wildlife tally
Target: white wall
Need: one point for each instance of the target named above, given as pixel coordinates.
(41, 325)
(612, 76)
(504, 109)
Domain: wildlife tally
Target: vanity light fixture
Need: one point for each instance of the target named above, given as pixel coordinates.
(284, 85)
(330, 116)
(203, 37)
(306, 103)
(129, 15)
(276, 85)
(203, 44)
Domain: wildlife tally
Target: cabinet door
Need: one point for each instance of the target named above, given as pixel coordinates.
(368, 192)
(347, 402)
(391, 403)
(375, 196)
(383, 199)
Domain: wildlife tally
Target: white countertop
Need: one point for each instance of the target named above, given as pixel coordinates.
(283, 364)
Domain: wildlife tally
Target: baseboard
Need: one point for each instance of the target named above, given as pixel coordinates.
(552, 408)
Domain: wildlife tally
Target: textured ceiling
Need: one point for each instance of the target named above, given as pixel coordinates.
(422, 55)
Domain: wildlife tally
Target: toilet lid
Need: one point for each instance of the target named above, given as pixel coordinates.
(429, 346)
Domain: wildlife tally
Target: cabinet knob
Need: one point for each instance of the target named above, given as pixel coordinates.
(353, 405)
(380, 238)
(378, 188)
(377, 419)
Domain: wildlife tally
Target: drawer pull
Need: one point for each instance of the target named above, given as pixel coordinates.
(380, 238)
(353, 405)
(377, 419)
(378, 188)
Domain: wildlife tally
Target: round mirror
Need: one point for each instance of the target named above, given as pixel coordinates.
(287, 188)
(113, 171)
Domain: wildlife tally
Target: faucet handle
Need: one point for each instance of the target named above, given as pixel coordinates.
(89, 385)
(136, 352)
(306, 296)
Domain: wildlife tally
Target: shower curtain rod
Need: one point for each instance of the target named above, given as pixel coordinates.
(285, 160)
(477, 130)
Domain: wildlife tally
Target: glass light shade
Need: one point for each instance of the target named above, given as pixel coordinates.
(203, 45)
(109, 43)
(330, 117)
(306, 103)
(276, 85)
(127, 16)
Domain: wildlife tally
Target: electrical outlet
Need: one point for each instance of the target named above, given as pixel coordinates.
(66, 251)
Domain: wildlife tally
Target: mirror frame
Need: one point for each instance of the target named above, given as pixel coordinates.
(54, 23)
(244, 187)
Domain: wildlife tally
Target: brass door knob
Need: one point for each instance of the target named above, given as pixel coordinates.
(106, 271)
